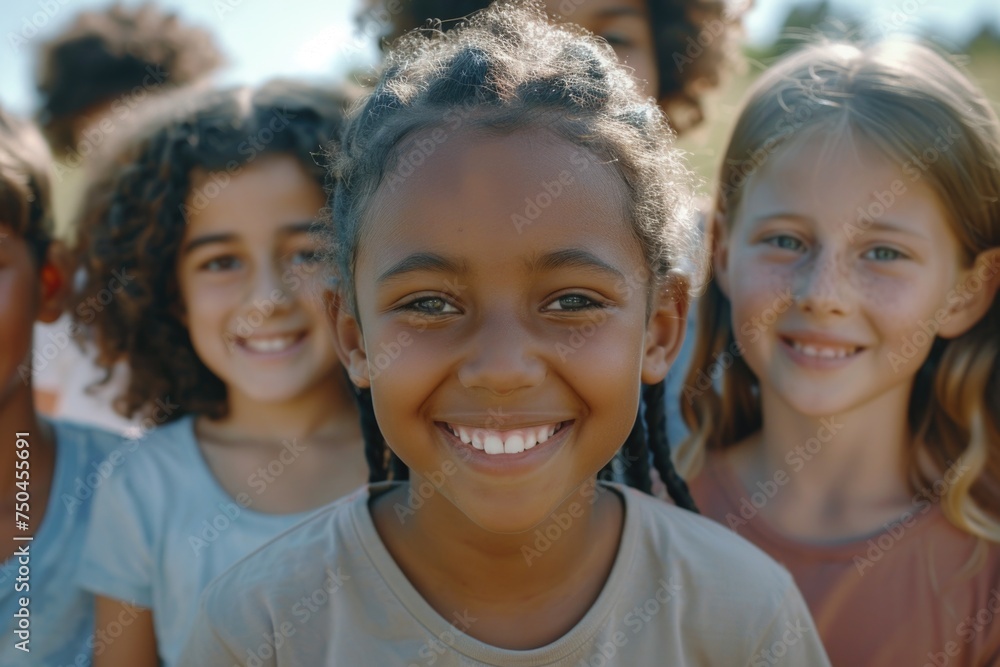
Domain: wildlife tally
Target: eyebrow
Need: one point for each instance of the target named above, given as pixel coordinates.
(876, 225)
(421, 261)
(887, 226)
(290, 229)
(559, 259)
(573, 258)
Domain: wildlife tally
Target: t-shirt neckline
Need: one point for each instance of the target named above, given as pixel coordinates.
(422, 612)
(726, 479)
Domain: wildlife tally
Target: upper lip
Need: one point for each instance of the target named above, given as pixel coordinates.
(504, 422)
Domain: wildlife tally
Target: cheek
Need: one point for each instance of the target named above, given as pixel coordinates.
(756, 289)
(18, 308)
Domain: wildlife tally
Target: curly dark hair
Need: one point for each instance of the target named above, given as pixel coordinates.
(696, 42)
(134, 219)
(109, 53)
(508, 68)
(24, 184)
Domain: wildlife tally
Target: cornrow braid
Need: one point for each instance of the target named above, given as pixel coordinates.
(654, 399)
(383, 464)
(636, 454)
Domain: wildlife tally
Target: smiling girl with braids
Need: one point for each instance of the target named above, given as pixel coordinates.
(509, 214)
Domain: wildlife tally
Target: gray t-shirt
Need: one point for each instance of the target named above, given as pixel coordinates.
(683, 591)
(163, 528)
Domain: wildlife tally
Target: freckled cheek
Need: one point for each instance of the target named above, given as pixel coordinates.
(755, 288)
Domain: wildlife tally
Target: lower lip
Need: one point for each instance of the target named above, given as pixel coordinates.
(820, 363)
(507, 463)
(276, 355)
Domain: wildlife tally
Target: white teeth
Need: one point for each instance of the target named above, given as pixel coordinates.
(493, 444)
(503, 442)
(810, 350)
(514, 444)
(276, 344)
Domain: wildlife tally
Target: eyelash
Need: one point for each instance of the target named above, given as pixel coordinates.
(227, 262)
(896, 254)
(415, 305)
(773, 241)
(213, 265)
(776, 239)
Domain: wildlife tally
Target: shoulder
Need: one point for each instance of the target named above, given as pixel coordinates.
(91, 442)
(306, 557)
(702, 550)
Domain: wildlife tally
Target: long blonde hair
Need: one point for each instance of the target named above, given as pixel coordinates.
(900, 97)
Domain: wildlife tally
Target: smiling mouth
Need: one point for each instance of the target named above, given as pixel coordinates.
(270, 344)
(512, 441)
(820, 351)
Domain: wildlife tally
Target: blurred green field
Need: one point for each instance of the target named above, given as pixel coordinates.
(706, 143)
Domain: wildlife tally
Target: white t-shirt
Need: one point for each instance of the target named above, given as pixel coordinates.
(683, 591)
(163, 527)
(60, 614)
(60, 366)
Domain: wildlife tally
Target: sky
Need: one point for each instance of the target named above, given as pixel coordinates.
(318, 39)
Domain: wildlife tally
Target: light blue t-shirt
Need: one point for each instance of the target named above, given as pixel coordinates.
(163, 527)
(60, 614)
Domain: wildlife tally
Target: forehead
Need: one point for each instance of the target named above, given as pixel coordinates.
(268, 192)
(587, 12)
(496, 199)
(832, 171)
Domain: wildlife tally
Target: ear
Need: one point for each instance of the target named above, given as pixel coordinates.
(719, 240)
(350, 342)
(56, 280)
(977, 289)
(665, 329)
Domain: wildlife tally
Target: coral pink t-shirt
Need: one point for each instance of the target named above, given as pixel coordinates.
(889, 599)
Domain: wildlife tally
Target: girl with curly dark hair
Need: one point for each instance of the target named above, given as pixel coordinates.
(511, 235)
(678, 49)
(202, 275)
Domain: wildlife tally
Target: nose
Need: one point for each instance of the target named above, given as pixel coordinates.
(822, 284)
(502, 358)
(266, 291)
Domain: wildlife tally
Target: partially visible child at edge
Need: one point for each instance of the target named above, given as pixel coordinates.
(44, 464)
(94, 78)
(225, 334)
(651, 37)
(493, 543)
(854, 319)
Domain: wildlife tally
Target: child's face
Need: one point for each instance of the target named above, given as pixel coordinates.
(23, 299)
(625, 24)
(501, 293)
(247, 275)
(837, 266)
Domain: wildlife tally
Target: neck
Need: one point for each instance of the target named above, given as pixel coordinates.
(455, 550)
(844, 474)
(323, 407)
(17, 415)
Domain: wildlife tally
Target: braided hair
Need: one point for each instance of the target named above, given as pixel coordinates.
(504, 69)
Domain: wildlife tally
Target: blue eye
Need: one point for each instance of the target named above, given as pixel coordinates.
(884, 254)
(573, 302)
(785, 242)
